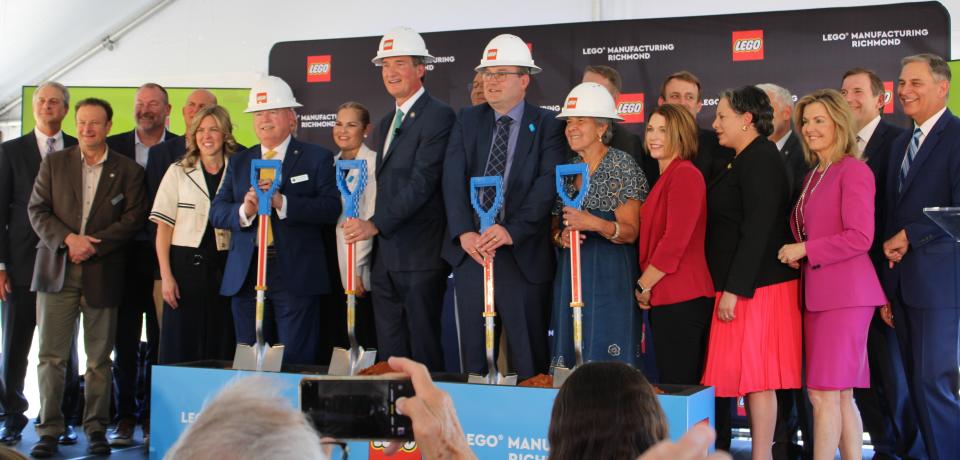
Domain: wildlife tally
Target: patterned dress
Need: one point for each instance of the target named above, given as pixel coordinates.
(611, 320)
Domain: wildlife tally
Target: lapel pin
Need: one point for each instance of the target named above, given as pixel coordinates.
(531, 127)
(111, 175)
(413, 114)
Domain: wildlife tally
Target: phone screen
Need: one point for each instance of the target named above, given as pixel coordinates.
(356, 408)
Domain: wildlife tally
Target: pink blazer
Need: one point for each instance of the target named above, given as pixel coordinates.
(839, 222)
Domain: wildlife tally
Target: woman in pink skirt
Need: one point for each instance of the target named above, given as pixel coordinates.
(832, 223)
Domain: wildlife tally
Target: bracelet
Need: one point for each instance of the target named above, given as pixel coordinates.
(616, 231)
(558, 239)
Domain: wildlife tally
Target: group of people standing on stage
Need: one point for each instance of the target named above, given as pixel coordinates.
(755, 250)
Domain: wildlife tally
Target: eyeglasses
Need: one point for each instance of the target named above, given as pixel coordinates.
(497, 76)
(333, 446)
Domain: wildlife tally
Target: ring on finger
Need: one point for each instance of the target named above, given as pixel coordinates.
(566, 222)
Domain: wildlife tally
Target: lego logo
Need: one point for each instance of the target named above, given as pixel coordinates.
(261, 98)
(748, 45)
(492, 54)
(630, 108)
(888, 97)
(319, 68)
(572, 103)
(388, 44)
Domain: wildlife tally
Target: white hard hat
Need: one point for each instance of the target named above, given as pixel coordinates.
(402, 41)
(589, 100)
(506, 49)
(270, 93)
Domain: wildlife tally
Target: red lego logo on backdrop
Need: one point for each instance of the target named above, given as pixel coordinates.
(408, 451)
(630, 107)
(318, 68)
(888, 97)
(262, 98)
(388, 44)
(530, 46)
(748, 45)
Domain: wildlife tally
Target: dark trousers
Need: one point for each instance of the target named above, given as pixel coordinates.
(520, 307)
(288, 319)
(680, 335)
(131, 367)
(201, 327)
(887, 412)
(794, 412)
(930, 344)
(19, 321)
(407, 306)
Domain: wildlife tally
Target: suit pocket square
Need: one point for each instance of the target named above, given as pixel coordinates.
(116, 199)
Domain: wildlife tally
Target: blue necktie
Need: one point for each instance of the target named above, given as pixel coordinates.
(912, 149)
(497, 161)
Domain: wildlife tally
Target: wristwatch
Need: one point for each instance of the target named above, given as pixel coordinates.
(640, 289)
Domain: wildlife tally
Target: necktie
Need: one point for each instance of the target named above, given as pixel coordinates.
(497, 161)
(861, 144)
(50, 146)
(397, 121)
(268, 174)
(912, 149)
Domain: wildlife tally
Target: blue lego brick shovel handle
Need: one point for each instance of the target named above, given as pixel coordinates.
(573, 169)
(264, 196)
(351, 199)
(487, 216)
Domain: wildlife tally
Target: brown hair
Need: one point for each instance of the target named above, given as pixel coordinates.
(222, 117)
(876, 84)
(364, 113)
(845, 139)
(682, 132)
(607, 72)
(682, 75)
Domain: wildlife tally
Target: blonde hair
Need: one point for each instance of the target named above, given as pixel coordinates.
(222, 118)
(845, 139)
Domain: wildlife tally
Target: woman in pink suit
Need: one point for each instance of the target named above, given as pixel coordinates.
(832, 223)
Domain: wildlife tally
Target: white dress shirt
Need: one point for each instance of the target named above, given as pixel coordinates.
(405, 107)
(42, 141)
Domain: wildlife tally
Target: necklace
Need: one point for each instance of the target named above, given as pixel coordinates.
(798, 210)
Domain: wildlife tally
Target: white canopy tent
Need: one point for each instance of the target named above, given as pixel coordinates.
(225, 43)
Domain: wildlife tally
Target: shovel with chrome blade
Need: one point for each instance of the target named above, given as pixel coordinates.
(560, 374)
(260, 356)
(487, 216)
(352, 361)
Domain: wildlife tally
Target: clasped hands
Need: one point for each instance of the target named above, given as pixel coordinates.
(479, 247)
(80, 247)
(791, 254)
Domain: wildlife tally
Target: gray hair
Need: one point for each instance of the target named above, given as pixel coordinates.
(781, 94)
(63, 91)
(608, 134)
(938, 67)
(249, 420)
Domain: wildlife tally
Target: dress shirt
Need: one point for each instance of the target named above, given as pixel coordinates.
(515, 114)
(927, 126)
(405, 108)
(91, 179)
(863, 137)
(42, 141)
(783, 141)
(280, 153)
(142, 151)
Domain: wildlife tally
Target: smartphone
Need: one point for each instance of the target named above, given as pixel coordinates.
(356, 407)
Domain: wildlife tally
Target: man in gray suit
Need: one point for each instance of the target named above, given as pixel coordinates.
(95, 209)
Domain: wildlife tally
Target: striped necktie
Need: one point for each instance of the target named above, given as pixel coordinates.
(51, 142)
(497, 161)
(912, 149)
(269, 174)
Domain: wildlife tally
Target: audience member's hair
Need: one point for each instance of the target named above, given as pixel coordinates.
(97, 102)
(682, 75)
(876, 84)
(781, 94)
(222, 118)
(682, 132)
(607, 72)
(751, 99)
(845, 136)
(249, 420)
(605, 410)
(166, 97)
(938, 67)
(364, 113)
(63, 92)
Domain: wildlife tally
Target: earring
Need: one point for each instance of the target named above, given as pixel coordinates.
(364, 136)
(743, 128)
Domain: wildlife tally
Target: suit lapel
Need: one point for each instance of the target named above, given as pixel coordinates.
(409, 119)
(108, 175)
(192, 174)
(875, 141)
(484, 134)
(290, 161)
(521, 152)
(929, 145)
(33, 159)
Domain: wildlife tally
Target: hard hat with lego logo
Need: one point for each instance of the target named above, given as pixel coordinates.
(401, 41)
(589, 100)
(270, 93)
(506, 49)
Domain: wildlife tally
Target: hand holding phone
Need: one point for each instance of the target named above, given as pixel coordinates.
(356, 407)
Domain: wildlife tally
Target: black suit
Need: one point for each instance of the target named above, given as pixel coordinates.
(19, 164)
(712, 158)
(797, 167)
(409, 276)
(131, 370)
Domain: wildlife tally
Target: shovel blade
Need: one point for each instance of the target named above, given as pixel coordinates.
(254, 358)
(560, 375)
(340, 361)
(493, 379)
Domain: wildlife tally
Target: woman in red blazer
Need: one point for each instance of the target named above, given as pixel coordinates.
(832, 223)
(675, 280)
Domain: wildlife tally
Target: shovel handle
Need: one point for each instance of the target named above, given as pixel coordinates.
(351, 198)
(264, 196)
(487, 216)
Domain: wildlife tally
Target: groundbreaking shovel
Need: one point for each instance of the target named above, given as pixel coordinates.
(560, 374)
(260, 356)
(487, 216)
(352, 361)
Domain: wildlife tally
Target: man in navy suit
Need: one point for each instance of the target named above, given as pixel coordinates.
(885, 407)
(305, 201)
(409, 276)
(521, 142)
(923, 279)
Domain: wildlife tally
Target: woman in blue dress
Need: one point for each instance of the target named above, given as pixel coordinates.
(608, 226)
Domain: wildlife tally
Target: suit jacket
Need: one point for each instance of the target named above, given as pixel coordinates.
(838, 220)
(929, 273)
(531, 186)
(19, 164)
(312, 202)
(673, 225)
(712, 158)
(126, 143)
(161, 156)
(117, 212)
(877, 153)
(409, 211)
(796, 166)
(747, 209)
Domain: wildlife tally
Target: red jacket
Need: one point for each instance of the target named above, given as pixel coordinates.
(673, 225)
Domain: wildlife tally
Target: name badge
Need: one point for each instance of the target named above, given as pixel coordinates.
(298, 179)
(116, 199)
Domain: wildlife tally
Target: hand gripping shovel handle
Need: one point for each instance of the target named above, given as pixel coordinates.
(351, 199)
(487, 217)
(576, 294)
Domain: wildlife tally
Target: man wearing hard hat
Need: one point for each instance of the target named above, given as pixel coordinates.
(408, 277)
(521, 142)
(305, 201)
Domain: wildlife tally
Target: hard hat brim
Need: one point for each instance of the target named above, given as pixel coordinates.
(564, 114)
(378, 60)
(533, 68)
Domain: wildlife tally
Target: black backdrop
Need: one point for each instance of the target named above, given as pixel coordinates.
(800, 50)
